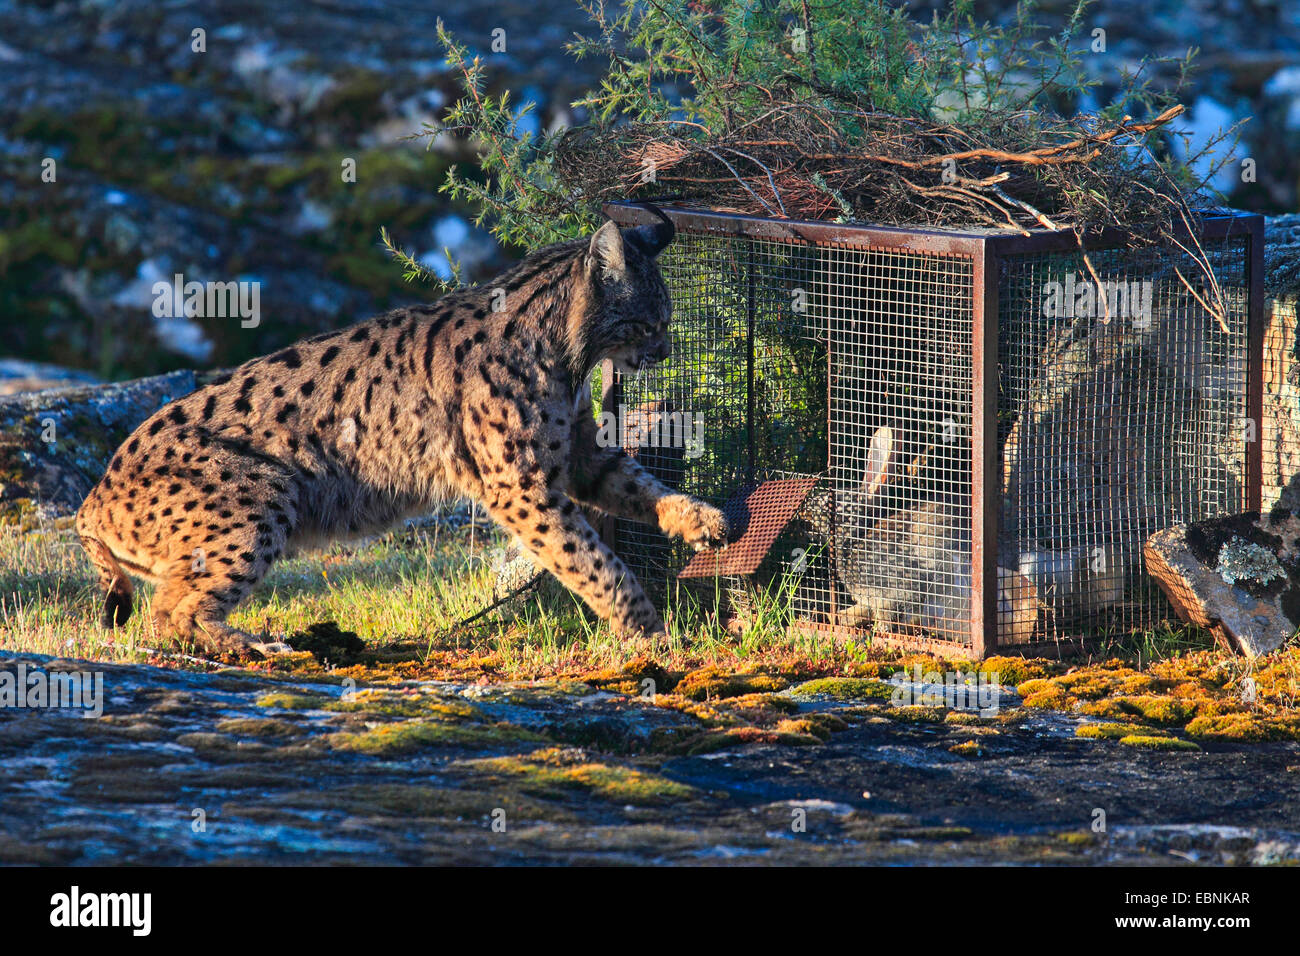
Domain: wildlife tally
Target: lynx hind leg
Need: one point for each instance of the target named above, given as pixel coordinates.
(561, 540)
(113, 582)
(202, 587)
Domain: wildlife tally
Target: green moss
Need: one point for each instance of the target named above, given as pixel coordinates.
(1157, 742)
(1011, 671)
(1049, 697)
(1106, 710)
(709, 683)
(844, 688)
(915, 714)
(1044, 693)
(286, 701)
(818, 726)
(560, 772)
(970, 748)
(1243, 728)
(1167, 711)
(260, 727)
(1087, 687)
(1078, 838)
(792, 734)
(757, 707)
(389, 704)
(630, 677)
(966, 718)
(1111, 731)
(408, 735)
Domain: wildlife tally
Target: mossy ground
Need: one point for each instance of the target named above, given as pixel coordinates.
(384, 612)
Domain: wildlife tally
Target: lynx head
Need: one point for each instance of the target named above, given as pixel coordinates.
(629, 321)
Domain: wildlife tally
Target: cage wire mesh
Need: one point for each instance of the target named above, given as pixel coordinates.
(851, 361)
(898, 337)
(734, 404)
(1117, 419)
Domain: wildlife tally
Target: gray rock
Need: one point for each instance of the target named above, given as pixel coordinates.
(1238, 576)
(55, 444)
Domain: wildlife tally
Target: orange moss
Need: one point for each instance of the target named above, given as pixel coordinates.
(708, 683)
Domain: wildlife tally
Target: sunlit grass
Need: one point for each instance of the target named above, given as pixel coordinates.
(409, 590)
(407, 594)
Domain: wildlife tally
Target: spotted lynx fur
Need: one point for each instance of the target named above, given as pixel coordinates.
(347, 433)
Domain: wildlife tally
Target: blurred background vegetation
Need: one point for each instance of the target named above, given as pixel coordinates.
(228, 164)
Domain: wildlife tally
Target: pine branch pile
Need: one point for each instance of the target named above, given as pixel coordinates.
(844, 110)
(794, 162)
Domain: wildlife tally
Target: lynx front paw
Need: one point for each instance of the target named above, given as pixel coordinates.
(699, 525)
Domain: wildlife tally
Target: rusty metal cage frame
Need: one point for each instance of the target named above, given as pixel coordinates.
(988, 252)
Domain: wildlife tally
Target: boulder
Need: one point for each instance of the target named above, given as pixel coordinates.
(1237, 575)
(56, 443)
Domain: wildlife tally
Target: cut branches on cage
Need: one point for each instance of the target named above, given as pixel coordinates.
(843, 110)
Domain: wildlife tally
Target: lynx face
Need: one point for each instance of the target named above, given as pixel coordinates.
(635, 310)
(348, 432)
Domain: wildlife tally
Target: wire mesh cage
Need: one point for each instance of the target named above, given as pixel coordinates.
(957, 440)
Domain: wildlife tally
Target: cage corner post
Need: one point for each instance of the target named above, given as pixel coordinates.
(985, 485)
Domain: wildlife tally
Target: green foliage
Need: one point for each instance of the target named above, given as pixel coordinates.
(715, 68)
(516, 169)
(726, 55)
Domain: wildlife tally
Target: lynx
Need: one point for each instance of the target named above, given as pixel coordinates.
(483, 394)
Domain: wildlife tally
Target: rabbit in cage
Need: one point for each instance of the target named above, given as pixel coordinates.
(903, 553)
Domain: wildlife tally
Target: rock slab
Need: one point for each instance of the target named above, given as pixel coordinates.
(1238, 576)
(55, 444)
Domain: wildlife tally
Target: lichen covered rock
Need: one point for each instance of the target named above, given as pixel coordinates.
(1237, 575)
(55, 444)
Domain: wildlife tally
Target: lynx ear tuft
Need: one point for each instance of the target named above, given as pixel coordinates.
(652, 239)
(605, 253)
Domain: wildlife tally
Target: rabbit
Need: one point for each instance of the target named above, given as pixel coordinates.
(1080, 582)
(909, 568)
